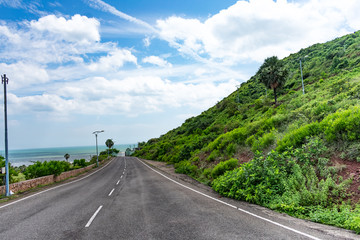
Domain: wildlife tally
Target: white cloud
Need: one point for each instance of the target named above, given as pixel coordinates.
(255, 29)
(108, 8)
(55, 41)
(147, 42)
(130, 96)
(156, 61)
(22, 75)
(113, 60)
(77, 29)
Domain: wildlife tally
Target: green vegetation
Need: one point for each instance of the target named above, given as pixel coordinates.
(40, 169)
(282, 155)
(14, 175)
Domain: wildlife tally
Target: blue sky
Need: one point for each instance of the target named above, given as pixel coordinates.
(139, 68)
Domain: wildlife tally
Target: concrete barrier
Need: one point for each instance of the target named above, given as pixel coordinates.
(31, 183)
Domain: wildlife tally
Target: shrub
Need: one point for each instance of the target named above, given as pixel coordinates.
(80, 163)
(222, 167)
(297, 137)
(263, 142)
(284, 180)
(39, 169)
(213, 155)
(185, 167)
(344, 124)
(231, 149)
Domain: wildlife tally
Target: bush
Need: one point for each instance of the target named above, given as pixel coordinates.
(185, 167)
(222, 167)
(111, 152)
(263, 142)
(343, 124)
(297, 137)
(284, 180)
(80, 163)
(39, 169)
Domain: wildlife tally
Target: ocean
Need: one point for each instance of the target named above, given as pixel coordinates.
(27, 156)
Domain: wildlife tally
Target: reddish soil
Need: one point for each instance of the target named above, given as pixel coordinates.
(244, 156)
(350, 169)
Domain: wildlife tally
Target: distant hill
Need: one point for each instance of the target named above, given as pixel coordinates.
(301, 156)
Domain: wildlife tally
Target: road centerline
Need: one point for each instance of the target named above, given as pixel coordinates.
(93, 217)
(111, 192)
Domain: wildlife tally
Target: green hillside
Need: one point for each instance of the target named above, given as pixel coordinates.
(300, 156)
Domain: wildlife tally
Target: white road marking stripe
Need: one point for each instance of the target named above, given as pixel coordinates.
(54, 187)
(111, 192)
(93, 217)
(117, 182)
(121, 176)
(225, 203)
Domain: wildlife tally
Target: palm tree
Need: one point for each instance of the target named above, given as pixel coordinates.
(273, 74)
(67, 156)
(109, 143)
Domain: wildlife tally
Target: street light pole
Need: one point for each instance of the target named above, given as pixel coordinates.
(97, 152)
(5, 81)
(302, 79)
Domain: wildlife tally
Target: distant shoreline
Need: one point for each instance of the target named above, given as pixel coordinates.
(20, 157)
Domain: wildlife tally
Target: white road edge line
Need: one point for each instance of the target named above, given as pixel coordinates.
(240, 209)
(117, 182)
(54, 187)
(111, 192)
(93, 217)
(121, 176)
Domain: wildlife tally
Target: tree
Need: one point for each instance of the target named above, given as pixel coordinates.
(273, 74)
(109, 143)
(67, 156)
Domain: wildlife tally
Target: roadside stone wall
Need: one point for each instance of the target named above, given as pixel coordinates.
(28, 184)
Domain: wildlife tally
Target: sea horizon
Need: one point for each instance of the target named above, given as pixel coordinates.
(18, 157)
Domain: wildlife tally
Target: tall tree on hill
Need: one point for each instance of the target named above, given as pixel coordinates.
(273, 74)
(109, 143)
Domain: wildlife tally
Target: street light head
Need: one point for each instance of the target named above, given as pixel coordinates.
(96, 132)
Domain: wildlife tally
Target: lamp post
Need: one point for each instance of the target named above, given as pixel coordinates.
(97, 152)
(5, 81)
(302, 79)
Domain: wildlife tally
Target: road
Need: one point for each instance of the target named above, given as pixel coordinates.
(127, 199)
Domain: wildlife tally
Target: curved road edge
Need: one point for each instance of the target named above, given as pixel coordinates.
(268, 215)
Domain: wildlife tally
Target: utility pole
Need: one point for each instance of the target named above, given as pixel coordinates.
(302, 79)
(5, 81)
(97, 152)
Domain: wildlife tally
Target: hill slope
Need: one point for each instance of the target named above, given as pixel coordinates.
(300, 156)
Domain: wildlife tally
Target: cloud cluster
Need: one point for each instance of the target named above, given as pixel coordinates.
(80, 29)
(60, 65)
(157, 61)
(256, 29)
(131, 96)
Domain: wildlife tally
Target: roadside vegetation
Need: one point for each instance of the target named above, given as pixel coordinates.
(45, 168)
(292, 152)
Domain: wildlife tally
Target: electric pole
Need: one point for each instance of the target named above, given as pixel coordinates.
(5, 81)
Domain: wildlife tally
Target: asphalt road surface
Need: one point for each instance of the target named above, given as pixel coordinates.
(127, 199)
